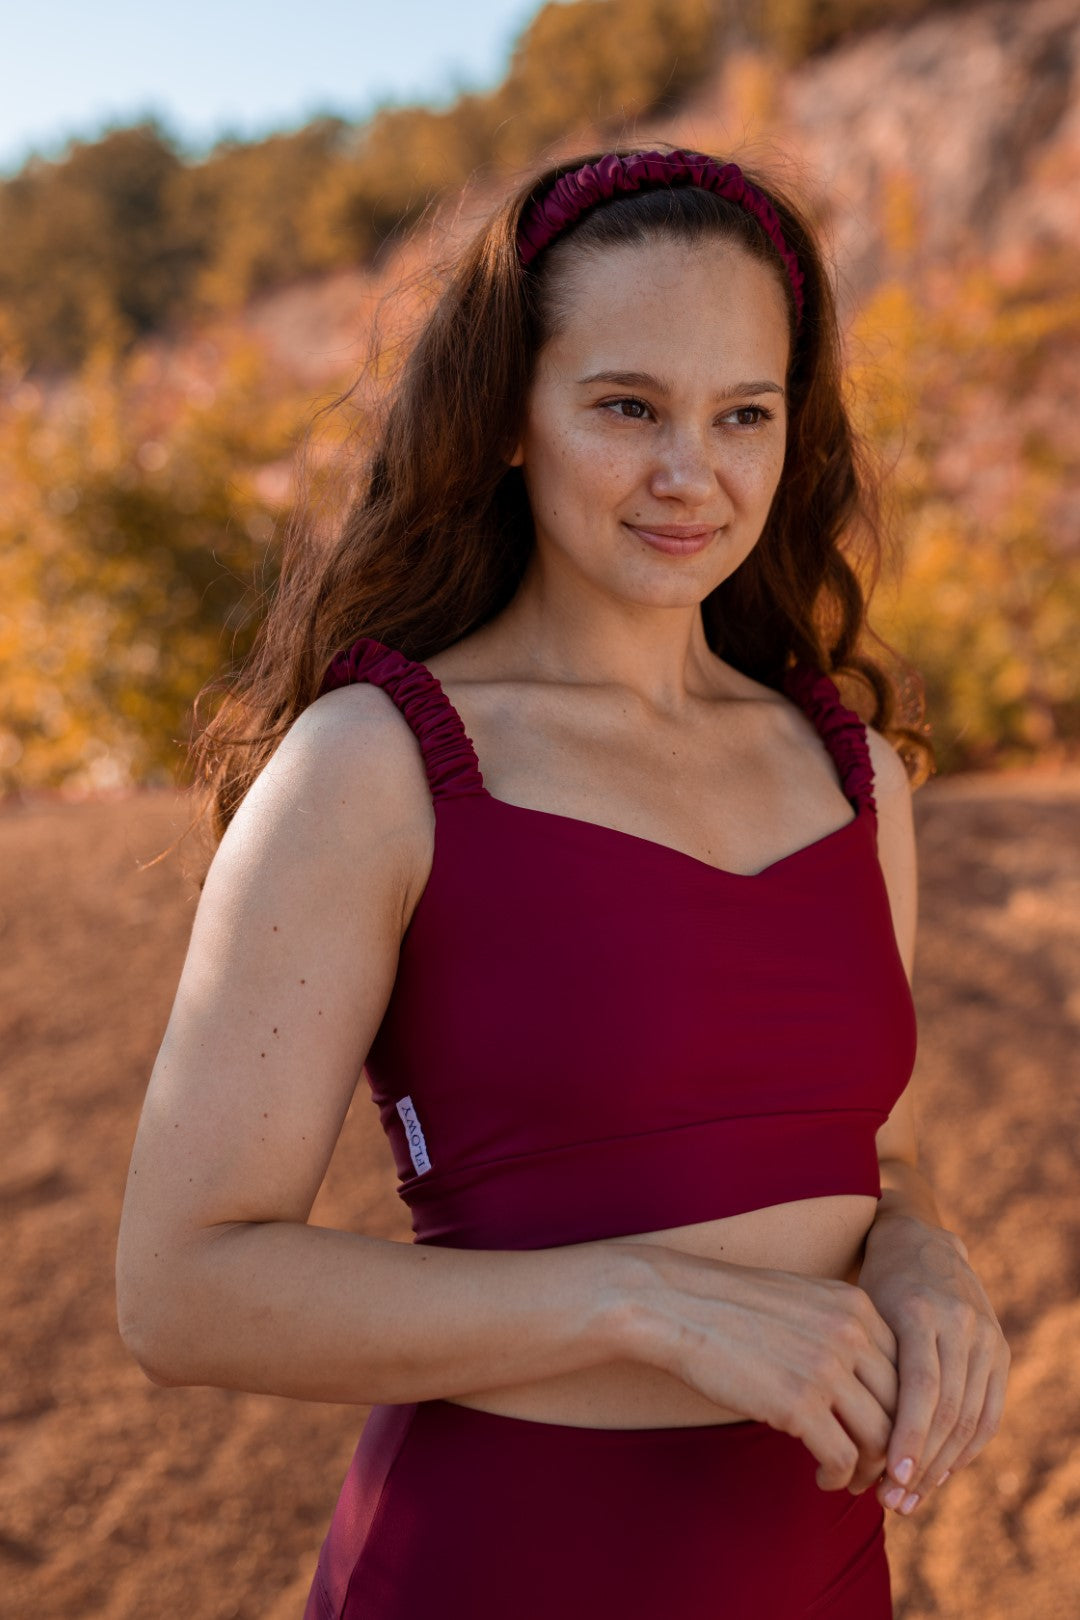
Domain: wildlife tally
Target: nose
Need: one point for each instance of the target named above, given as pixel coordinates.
(684, 469)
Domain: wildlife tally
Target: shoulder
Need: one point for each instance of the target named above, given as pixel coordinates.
(896, 846)
(346, 787)
(892, 785)
(359, 730)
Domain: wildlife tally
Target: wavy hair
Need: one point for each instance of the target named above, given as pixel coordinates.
(435, 535)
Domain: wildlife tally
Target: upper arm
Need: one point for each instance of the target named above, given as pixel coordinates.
(896, 1139)
(291, 962)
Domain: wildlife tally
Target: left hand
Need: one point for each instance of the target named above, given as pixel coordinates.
(953, 1358)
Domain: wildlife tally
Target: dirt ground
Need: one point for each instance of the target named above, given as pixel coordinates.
(121, 1499)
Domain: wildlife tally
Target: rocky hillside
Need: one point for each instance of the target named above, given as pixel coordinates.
(942, 159)
(949, 142)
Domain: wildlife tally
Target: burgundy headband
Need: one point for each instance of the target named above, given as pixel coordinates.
(574, 193)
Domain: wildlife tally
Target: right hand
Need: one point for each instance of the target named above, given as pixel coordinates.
(809, 1356)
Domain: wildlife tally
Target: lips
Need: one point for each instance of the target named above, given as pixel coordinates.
(673, 531)
(673, 540)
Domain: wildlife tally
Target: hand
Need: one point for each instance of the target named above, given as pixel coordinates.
(809, 1356)
(953, 1357)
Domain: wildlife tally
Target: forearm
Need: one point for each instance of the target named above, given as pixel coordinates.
(318, 1314)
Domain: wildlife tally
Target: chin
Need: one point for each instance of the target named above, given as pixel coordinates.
(674, 593)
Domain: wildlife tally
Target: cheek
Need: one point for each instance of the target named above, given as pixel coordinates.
(550, 475)
(590, 475)
(757, 473)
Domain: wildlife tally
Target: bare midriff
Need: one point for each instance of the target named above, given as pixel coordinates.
(815, 1237)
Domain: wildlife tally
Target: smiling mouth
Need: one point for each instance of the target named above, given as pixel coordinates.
(685, 541)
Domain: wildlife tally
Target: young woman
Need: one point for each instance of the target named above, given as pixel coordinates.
(537, 801)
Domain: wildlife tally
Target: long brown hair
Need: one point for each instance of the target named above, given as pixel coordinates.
(437, 533)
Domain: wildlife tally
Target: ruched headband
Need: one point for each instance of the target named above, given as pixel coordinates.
(575, 192)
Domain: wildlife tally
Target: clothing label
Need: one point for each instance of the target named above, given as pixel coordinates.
(418, 1152)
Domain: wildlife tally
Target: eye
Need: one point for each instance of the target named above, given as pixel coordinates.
(610, 404)
(760, 413)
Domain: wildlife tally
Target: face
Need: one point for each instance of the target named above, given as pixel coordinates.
(694, 441)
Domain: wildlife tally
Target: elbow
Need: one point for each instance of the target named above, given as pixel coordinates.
(156, 1375)
(156, 1302)
(170, 1313)
(144, 1331)
(147, 1348)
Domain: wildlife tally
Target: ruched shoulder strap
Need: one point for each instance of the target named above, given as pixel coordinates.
(839, 727)
(449, 756)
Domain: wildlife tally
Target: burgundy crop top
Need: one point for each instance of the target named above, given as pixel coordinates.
(594, 1035)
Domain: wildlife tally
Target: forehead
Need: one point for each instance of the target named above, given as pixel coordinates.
(703, 301)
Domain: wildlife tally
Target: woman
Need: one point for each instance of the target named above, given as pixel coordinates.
(553, 820)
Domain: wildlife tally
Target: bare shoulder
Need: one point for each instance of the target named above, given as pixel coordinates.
(891, 780)
(357, 735)
(347, 780)
(896, 838)
(893, 798)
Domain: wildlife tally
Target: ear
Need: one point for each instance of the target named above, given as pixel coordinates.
(518, 456)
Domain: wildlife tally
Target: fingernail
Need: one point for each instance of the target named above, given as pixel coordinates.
(909, 1503)
(894, 1497)
(945, 1476)
(903, 1470)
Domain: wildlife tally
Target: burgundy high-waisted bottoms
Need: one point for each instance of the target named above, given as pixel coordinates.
(450, 1513)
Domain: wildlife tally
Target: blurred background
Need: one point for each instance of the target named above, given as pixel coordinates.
(200, 216)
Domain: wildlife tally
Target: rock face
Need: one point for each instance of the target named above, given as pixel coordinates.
(952, 139)
(978, 109)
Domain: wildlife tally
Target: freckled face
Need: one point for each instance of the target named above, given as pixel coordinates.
(701, 445)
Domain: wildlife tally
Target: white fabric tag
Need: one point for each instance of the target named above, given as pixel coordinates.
(418, 1152)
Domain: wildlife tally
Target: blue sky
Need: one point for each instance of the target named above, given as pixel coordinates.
(71, 66)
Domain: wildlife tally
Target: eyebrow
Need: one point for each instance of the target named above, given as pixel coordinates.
(645, 379)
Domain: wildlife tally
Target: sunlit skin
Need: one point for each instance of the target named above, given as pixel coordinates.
(702, 444)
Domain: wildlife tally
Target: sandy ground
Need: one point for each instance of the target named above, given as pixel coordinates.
(121, 1499)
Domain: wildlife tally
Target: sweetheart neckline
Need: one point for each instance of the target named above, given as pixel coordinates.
(819, 703)
(681, 854)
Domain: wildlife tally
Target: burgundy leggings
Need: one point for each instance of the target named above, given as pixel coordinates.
(449, 1513)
